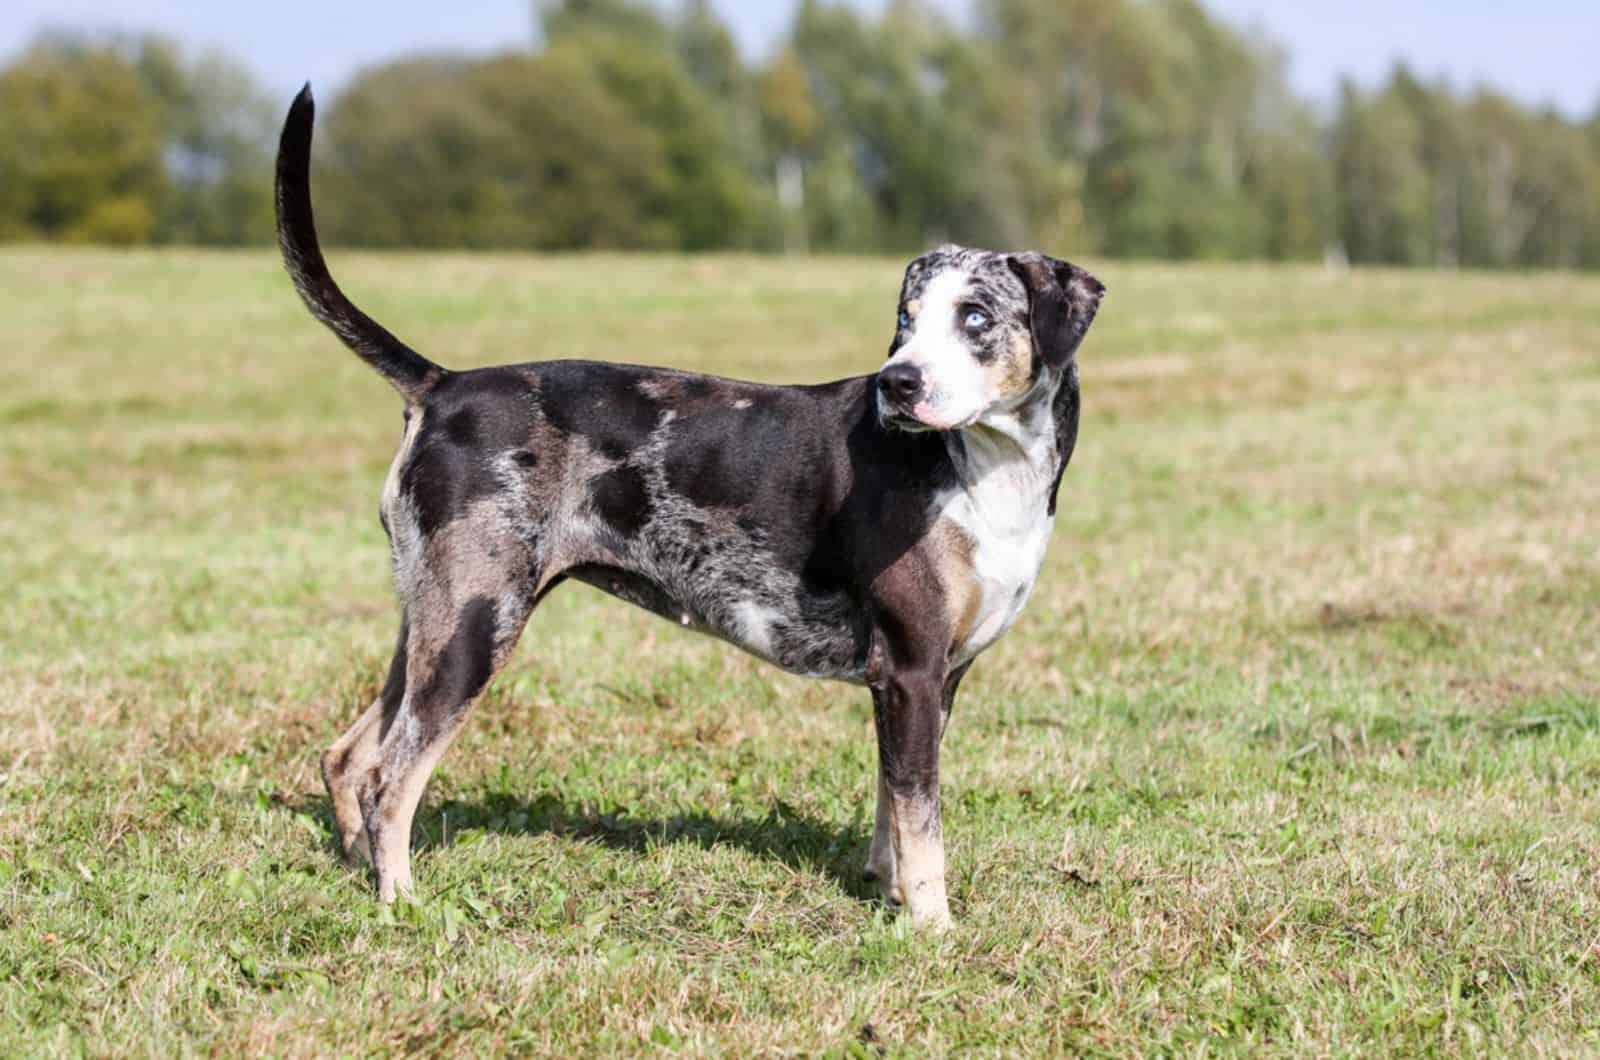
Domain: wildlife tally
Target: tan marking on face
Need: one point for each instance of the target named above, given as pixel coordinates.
(914, 307)
(1014, 367)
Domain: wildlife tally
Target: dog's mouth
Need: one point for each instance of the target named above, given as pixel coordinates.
(900, 420)
(898, 417)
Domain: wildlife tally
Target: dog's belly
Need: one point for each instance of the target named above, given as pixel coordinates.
(810, 637)
(810, 634)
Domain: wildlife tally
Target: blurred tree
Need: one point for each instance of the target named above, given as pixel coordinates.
(1385, 199)
(638, 19)
(790, 125)
(219, 128)
(788, 109)
(709, 52)
(708, 197)
(1173, 125)
(1133, 127)
(882, 90)
(1426, 178)
(1591, 190)
(1535, 175)
(80, 145)
(119, 139)
(1284, 174)
(518, 151)
(684, 81)
(1286, 179)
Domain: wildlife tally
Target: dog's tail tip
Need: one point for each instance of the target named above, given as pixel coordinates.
(305, 103)
(296, 138)
(406, 370)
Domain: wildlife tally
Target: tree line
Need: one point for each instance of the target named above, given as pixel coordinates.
(1143, 128)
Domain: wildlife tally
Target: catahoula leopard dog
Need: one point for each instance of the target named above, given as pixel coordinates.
(882, 530)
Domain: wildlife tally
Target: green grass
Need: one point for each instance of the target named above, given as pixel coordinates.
(1296, 750)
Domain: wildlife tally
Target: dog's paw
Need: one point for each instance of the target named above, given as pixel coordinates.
(882, 878)
(929, 906)
(880, 870)
(357, 850)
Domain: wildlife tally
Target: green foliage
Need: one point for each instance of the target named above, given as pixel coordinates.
(882, 93)
(218, 128)
(1184, 133)
(514, 151)
(122, 140)
(80, 145)
(789, 114)
(709, 52)
(707, 201)
(635, 19)
(602, 139)
(1136, 128)
(1425, 177)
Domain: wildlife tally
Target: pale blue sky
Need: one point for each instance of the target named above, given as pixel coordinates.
(1540, 51)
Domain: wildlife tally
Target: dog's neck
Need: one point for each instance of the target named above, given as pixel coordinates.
(1007, 462)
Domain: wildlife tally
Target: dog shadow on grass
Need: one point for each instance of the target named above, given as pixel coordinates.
(784, 834)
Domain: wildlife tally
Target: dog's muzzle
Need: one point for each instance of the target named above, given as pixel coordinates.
(900, 387)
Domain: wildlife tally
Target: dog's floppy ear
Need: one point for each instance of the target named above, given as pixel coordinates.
(1062, 300)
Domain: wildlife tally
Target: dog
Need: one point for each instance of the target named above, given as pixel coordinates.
(881, 530)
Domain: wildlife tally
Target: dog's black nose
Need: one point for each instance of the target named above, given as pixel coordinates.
(900, 382)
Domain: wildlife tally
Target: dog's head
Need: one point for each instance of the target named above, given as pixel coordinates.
(981, 332)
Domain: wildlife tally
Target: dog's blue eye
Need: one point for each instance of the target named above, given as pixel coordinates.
(905, 320)
(976, 321)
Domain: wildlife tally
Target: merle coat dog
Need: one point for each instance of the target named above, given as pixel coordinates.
(882, 530)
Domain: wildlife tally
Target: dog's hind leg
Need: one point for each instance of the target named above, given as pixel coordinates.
(352, 749)
(452, 653)
(354, 755)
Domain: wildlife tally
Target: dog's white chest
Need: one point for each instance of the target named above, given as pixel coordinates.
(1002, 512)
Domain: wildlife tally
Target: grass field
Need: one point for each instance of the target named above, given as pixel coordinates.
(1296, 751)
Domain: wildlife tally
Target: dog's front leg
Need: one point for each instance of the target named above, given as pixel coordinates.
(908, 708)
(880, 867)
(880, 855)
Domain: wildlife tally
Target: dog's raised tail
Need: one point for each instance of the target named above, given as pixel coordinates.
(407, 370)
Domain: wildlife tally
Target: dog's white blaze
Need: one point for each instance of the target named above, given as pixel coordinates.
(1002, 504)
(956, 389)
